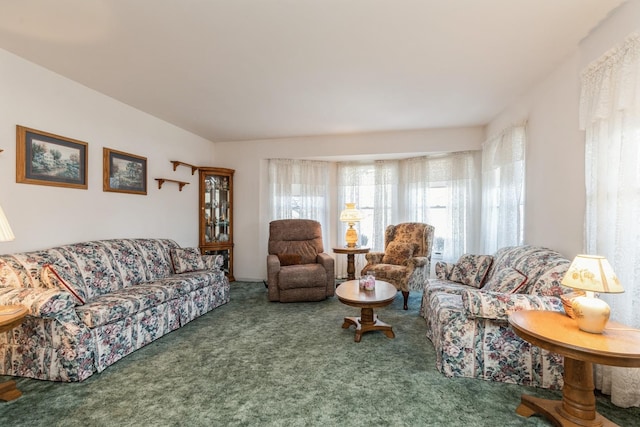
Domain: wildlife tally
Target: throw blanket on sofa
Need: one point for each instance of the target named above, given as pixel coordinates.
(92, 303)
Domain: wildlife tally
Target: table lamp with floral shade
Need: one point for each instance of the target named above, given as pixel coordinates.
(591, 273)
(5, 229)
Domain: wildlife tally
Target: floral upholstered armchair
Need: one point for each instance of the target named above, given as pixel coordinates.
(406, 260)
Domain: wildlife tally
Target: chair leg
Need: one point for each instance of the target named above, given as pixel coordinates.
(405, 295)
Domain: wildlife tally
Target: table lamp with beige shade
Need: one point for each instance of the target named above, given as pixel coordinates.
(351, 216)
(5, 229)
(591, 273)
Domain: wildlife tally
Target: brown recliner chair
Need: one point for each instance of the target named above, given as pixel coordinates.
(297, 267)
(406, 260)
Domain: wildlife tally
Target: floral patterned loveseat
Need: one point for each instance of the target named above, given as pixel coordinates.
(467, 305)
(92, 303)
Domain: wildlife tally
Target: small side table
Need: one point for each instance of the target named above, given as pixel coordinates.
(10, 317)
(618, 345)
(351, 252)
(349, 293)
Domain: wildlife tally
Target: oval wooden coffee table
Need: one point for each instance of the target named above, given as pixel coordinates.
(349, 293)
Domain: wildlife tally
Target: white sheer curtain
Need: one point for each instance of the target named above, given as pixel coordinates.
(444, 191)
(503, 171)
(373, 187)
(298, 189)
(610, 115)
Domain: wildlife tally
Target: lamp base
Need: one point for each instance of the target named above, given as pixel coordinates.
(351, 237)
(591, 314)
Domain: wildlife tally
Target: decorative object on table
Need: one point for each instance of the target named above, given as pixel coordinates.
(591, 273)
(367, 282)
(6, 234)
(124, 172)
(351, 216)
(43, 158)
(567, 302)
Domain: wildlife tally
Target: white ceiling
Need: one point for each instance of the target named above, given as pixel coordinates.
(253, 69)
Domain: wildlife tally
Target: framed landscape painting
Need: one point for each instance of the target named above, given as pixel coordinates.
(46, 159)
(124, 172)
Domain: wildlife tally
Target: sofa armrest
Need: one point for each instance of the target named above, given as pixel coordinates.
(498, 306)
(374, 257)
(213, 262)
(41, 302)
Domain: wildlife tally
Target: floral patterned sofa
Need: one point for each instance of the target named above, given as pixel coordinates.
(467, 305)
(92, 303)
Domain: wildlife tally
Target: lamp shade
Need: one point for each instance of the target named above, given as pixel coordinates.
(5, 229)
(351, 214)
(592, 273)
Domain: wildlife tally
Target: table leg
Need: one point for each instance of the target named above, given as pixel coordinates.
(351, 267)
(9, 391)
(578, 404)
(367, 322)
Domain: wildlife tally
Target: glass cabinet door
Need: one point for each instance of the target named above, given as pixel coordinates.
(217, 208)
(216, 214)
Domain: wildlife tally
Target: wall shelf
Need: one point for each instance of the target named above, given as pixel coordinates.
(163, 180)
(177, 163)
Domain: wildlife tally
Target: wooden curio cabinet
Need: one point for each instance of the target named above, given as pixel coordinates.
(216, 215)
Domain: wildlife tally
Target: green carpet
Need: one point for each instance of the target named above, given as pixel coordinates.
(252, 362)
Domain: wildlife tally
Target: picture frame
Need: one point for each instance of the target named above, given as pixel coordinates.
(43, 158)
(124, 172)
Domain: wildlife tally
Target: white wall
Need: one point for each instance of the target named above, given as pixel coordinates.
(555, 193)
(249, 159)
(45, 216)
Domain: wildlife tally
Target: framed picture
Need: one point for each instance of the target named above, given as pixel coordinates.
(124, 172)
(46, 159)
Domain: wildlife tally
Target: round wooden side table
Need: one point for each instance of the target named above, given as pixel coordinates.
(10, 317)
(349, 293)
(618, 345)
(351, 252)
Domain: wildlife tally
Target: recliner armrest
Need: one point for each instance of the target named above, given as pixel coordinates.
(498, 306)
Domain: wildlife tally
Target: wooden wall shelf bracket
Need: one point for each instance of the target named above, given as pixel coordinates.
(163, 180)
(177, 163)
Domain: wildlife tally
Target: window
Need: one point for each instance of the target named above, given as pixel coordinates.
(503, 169)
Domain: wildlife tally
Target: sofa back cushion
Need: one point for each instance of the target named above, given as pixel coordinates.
(91, 268)
(506, 281)
(296, 236)
(543, 267)
(471, 270)
(128, 262)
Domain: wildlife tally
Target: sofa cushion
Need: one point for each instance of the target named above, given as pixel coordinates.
(123, 303)
(507, 281)
(398, 253)
(289, 259)
(54, 280)
(471, 269)
(443, 270)
(186, 259)
(549, 283)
